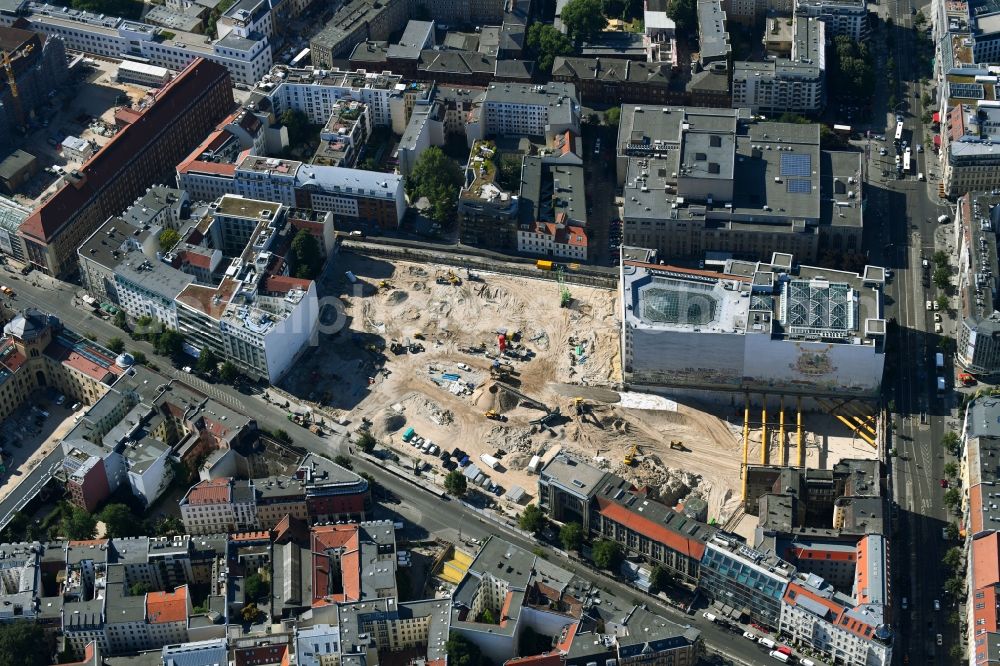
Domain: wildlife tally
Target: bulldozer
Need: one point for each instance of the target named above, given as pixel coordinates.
(678, 445)
(494, 415)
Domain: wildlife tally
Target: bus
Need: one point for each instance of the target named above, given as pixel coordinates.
(907, 162)
(899, 131)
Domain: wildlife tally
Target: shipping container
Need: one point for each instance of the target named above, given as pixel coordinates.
(490, 461)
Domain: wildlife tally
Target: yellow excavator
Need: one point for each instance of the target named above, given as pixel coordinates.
(494, 415)
(629, 458)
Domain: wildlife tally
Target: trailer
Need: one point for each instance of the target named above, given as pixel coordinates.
(489, 461)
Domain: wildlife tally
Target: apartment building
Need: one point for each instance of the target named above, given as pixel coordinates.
(528, 592)
(796, 84)
(521, 109)
(713, 35)
(137, 157)
(246, 56)
(970, 163)
(219, 506)
(344, 135)
(977, 221)
(613, 80)
(984, 28)
(208, 171)
(839, 17)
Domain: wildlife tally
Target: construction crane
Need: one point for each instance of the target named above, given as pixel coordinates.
(12, 81)
(565, 298)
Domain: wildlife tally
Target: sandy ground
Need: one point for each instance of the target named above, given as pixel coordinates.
(570, 353)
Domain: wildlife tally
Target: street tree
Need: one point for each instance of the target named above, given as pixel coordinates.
(607, 554)
(950, 441)
(365, 441)
(455, 483)
(138, 356)
(462, 652)
(117, 345)
(208, 362)
(583, 19)
(169, 343)
(571, 536)
(532, 519)
(954, 558)
(23, 644)
(952, 497)
(228, 372)
(950, 469)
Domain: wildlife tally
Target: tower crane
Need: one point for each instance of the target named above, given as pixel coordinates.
(8, 67)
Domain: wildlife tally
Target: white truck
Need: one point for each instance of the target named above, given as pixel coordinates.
(780, 656)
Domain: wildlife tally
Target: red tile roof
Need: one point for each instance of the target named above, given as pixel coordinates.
(551, 659)
(282, 284)
(986, 560)
(80, 363)
(336, 536)
(106, 164)
(633, 521)
(163, 607)
(196, 259)
(215, 491)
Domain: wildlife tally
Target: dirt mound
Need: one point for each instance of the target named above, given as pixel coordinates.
(391, 421)
(506, 401)
(396, 297)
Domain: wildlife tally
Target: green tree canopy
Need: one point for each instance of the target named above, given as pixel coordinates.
(117, 345)
(365, 441)
(208, 362)
(439, 178)
(613, 116)
(462, 652)
(255, 587)
(297, 123)
(607, 554)
(952, 497)
(684, 14)
(168, 238)
(942, 277)
(307, 258)
(169, 343)
(119, 521)
(659, 579)
(228, 372)
(850, 64)
(138, 356)
(343, 461)
(954, 558)
(456, 483)
(23, 644)
(583, 19)
(545, 43)
(571, 536)
(250, 613)
(77, 524)
(139, 589)
(532, 519)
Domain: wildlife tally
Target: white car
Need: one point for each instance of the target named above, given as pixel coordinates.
(938, 329)
(930, 306)
(750, 636)
(906, 603)
(463, 366)
(883, 151)
(937, 605)
(936, 306)
(939, 640)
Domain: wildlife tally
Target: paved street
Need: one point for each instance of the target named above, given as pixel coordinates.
(419, 506)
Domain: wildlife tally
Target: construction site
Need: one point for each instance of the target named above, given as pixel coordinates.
(457, 370)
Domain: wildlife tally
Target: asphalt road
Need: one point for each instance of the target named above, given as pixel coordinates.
(908, 212)
(419, 506)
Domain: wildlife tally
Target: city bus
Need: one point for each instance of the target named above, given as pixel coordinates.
(899, 130)
(907, 162)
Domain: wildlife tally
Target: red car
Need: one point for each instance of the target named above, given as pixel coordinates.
(944, 483)
(784, 649)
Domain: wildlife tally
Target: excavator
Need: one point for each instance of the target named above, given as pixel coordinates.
(494, 415)
(629, 458)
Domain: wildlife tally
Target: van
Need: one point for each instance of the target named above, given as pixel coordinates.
(920, 176)
(709, 616)
(807, 662)
(930, 306)
(780, 656)
(766, 642)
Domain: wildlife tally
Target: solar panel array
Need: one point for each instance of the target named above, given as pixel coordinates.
(799, 186)
(967, 90)
(796, 165)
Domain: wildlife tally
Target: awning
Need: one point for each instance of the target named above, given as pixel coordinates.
(937, 140)
(937, 116)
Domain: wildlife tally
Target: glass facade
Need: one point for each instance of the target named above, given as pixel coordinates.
(742, 580)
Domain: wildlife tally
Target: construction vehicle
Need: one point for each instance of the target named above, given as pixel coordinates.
(384, 284)
(494, 415)
(678, 446)
(966, 379)
(414, 347)
(580, 405)
(397, 348)
(629, 458)
(454, 279)
(419, 336)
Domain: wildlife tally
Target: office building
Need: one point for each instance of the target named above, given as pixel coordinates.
(683, 170)
(977, 220)
(137, 157)
(770, 327)
(970, 163)
(246, 55)
(839, 17)
(521, 109)
(12, 216)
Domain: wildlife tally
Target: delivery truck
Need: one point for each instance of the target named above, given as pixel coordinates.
(780, 656)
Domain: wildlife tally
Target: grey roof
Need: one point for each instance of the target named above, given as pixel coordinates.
(515, 69)
(82, 614)
(456, 62)
(416, 37)
(232, 41)
(713, 37)
(550, 189)
(153, 276)
(198, 653)
(14, 162)
(370, 52)
(984, 418)
(615, 45)
(107, 246)
(12, 214)
(12, 6)
(150, 204)
(183, 19)
(572, 475)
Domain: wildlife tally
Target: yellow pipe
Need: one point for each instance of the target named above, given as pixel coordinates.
(746, 442)
(763, 433)
(781, 432)
(798, 430)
